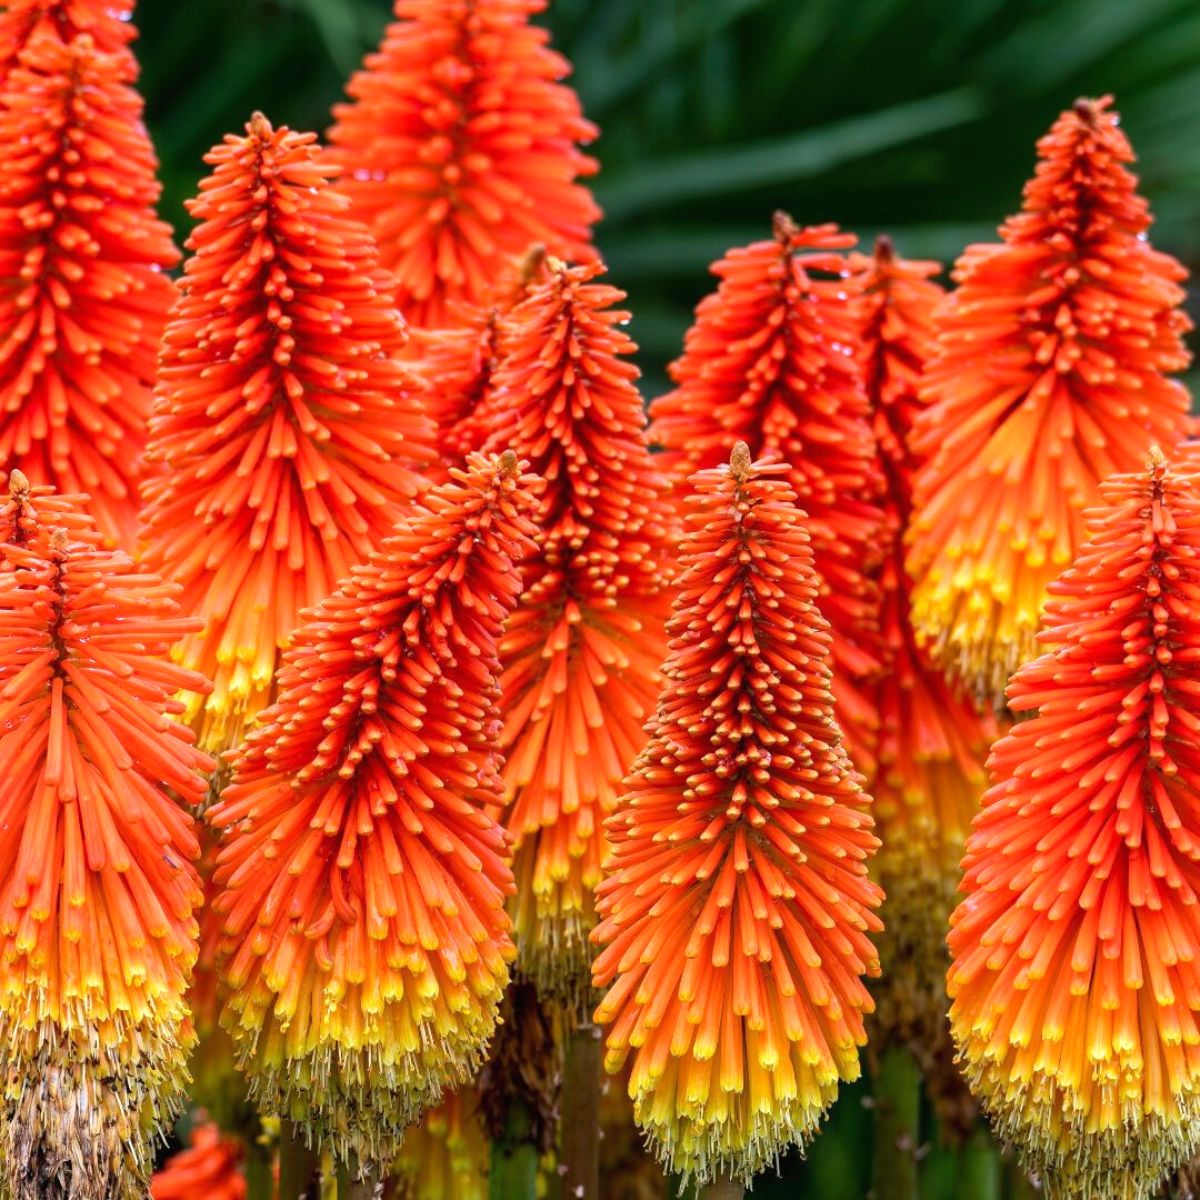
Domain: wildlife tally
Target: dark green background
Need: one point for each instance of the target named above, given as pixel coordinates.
(912, 116)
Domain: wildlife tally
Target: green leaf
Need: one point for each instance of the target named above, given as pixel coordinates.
(726, 169)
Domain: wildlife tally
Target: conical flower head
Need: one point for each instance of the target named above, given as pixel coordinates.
(97, 891)
(365, 941)
(82, 258)
(1075, 984)
(209, 1169)
(1050, 375)
(106, 22)
(289, 432)
(774, 358)
(446, 1156)
(460, 148)
(932, 738)
(581, 653)
(736, 913)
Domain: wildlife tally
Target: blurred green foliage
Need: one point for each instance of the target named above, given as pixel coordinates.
(915, 116)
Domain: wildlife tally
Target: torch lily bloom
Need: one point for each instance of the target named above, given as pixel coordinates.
(365, 944)
(1075, 982)
(107, 22)
(446, 1156)
(774, 359)
(460, 149)
(209, 1169)
(737, 910)
(582, 651)
(82, 259)
(932, 738)
(97, 890)
(1050, 375)
(289, 433)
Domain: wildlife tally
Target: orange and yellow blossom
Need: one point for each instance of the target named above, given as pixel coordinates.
(289, 434)
(581, 653)
(446, 1156)
(1075, 981)
(97, 887)
(461, 149)
(932, 738)
(737, 912)
(774, 358)
(84, 293)
(365, 943)
(209, 1169)
(1050, 375)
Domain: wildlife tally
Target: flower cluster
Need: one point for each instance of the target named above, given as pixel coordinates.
(365, 943)
(737, 910)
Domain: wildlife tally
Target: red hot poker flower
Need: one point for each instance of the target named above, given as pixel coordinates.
(1075, 980)
(106, 22)
(932, 738)
(582, 651)
(365, 941)
(289, 431)
(774, 358)
(460, 150)
(209, 1169)
(1050, 375)
(82, 258)
(737, 912)
(97, 889)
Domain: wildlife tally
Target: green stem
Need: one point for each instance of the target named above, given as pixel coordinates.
(260, 1174)
(297, 1165)
(721, 1189)
(514, 1169)
(897, 1126)
(979, 1169)
(579, 1127)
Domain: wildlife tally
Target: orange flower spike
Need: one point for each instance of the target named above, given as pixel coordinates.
(365, 942)
(1075, 978)
(97, 891)
(1050, 376)
(737, 911)
(107, 22)
(581, 654)
(447, 1156)
(932, 739)
(82, 259)
(290, 433)
(209, 1169)
(773, 358)
(460, 147)
(459, 364)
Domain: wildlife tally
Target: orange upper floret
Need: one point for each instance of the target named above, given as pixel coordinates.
(460, 149)
(581, 653)
(774, 358)
(1051, 373)
(83, 289)
(289, 434)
